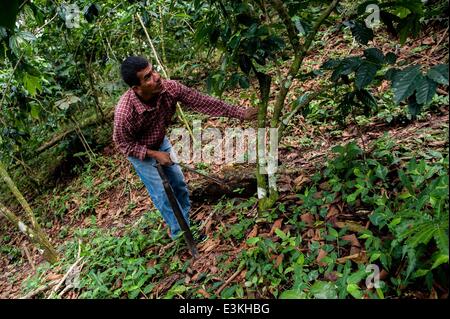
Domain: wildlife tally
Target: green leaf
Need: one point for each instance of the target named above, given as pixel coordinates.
(356, 277)
(439, 74)
(34, 111)
(441, 259)
(374, 55)
(366, 98)
(280, 234)
(293, 294)
(355, 291)
(31, 83)
(360, 31)
(390, 58)
(365, 74)
(243, 82)
(413, 107)
(374, 257)
(252, 241)
(404, 83)
(323, 290)
(441, 237)
(425, 90)
(423, 233)
(333, 232)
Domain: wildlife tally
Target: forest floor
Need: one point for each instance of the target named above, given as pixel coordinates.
(107, 202)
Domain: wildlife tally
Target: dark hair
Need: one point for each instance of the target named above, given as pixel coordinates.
(130, 67)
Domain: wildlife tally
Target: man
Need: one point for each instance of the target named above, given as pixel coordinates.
(141, 119)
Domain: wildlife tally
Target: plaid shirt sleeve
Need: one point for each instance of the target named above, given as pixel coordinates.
(199, 102)
(123, 137)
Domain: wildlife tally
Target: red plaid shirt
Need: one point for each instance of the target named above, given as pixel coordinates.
(139, 126)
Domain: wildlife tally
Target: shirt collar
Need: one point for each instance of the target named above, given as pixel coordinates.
(139, 105)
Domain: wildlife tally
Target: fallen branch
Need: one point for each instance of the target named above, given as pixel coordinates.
(238, 271)
(58, 138)
(39, 290)
(58, 286)
(28, 255)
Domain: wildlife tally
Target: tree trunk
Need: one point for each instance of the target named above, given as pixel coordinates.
(267, 192)
(37, 237)
(34, 232)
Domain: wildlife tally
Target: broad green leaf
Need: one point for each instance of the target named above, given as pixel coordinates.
(34, 111)
(355, 291)
(414, 107)
(14, 44)
(374, 55)
(404, 83)
(374, 257)
(323, 290)
(280, 234)
(31, 83)
(423, 233)
(360, 31)
(390, 58)
(366, 98)
(252, 241)
(365, 74)
(425, 90)
(441, 259)
(27, 36)
(293, 294)
(380, 293)
(333, 232)
(439, 74)
(243, 82)
(441, 237)
(356, 277)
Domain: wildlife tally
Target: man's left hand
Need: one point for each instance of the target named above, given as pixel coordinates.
(250, 113)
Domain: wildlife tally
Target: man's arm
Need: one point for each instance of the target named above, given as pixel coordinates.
(199, 102)
(124, 140)
(127, 146)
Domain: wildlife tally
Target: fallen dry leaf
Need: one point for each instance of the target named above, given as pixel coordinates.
(308, 219)
(332, 211)
(279, 260)
(52, 277)
(356, 246)
(276, 224)
(299, 181)
(322, 254)
(352, 226)
(254, 232)
(204, 293)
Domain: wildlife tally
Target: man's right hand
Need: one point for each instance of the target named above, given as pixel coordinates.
(163, 158)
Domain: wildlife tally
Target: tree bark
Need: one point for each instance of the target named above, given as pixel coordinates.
(34, 232)
(37, 237)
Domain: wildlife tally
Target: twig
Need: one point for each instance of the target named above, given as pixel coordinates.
(238, 271)
(344, 259)
(439, 42)
(30, 260)
(66, 289)
(39, 290)
(79, 249)
(55, 290)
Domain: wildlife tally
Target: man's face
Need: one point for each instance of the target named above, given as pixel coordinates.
(150, 85)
